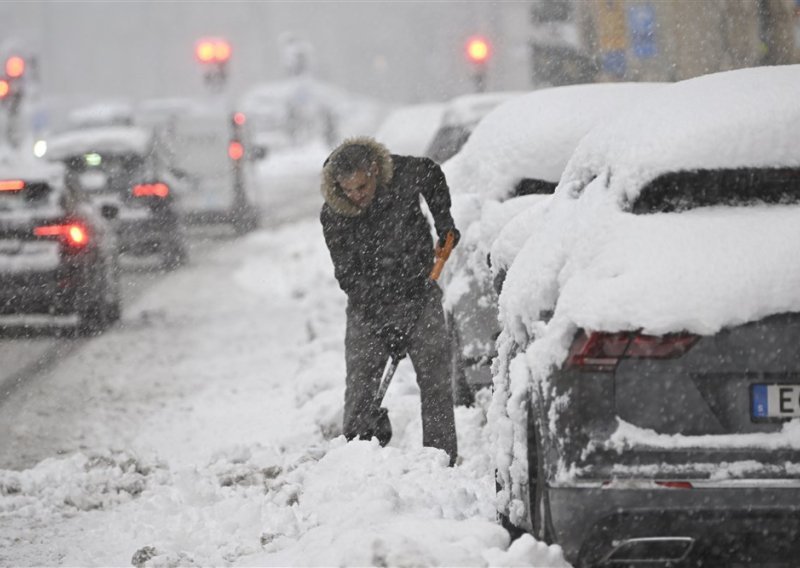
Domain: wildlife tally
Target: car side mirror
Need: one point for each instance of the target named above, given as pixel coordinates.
(109, 212)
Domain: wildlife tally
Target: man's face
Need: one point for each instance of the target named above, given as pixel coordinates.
(360, 186)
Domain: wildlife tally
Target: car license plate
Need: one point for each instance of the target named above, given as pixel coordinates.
(10, 246)
(775, 401)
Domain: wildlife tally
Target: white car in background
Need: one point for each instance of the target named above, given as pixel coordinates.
(461, 116)
(409, 130)
(509, 166)
(645, 408)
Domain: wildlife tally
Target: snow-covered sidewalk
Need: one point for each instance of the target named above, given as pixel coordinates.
(205, 430)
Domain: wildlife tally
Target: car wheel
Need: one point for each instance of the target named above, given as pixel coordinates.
(463, 394)
(538, 503)
(92, 315)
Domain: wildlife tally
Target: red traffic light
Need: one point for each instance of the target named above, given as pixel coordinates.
(239, 118)
(212, 51)
(478, 50)
(4, 88)
(15, 67)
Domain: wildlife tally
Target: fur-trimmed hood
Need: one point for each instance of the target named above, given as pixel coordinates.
(334, 196)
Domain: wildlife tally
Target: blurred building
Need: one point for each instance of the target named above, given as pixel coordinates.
(647, 40)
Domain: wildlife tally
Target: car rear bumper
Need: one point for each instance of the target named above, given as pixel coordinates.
(147, 236)
(748, 525)
(38, 292)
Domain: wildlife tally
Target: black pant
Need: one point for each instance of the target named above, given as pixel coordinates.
(429, 349)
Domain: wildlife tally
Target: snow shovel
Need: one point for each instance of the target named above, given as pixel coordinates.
(379, 423)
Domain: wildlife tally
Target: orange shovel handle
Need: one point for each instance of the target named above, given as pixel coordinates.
(442, 254)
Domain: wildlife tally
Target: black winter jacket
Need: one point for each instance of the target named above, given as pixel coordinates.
(383, 255)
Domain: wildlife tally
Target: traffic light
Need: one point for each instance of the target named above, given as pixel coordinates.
(214, 54)
(478, 50)
(15, 67)
(5, 88)
(478, 53)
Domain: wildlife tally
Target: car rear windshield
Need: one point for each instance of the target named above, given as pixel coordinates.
(31, 196)
(679, 191)
(121, 171)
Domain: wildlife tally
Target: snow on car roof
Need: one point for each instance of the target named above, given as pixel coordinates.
(110, 139)
(24, 167)
(469, 109)
(742, 118)
(534, 135)
(410, 129)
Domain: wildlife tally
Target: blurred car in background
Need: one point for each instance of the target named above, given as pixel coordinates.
(409, 130)
(647, 399)
(211, 148)
(506, 171)
(122, 167)
(460, 117)
(58, 256)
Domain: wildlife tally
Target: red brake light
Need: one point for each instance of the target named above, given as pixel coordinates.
(602, 352)
(151, 190)
(235, 150)
(12, 185)
(73, 234)
(675, 484)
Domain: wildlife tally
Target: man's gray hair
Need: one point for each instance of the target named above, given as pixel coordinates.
(350, 159)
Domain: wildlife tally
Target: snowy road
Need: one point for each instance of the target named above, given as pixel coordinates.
(205, 429)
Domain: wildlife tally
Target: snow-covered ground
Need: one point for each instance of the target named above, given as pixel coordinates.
(205, 430)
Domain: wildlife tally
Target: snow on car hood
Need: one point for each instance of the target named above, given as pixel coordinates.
(533, 136)
(743, 118)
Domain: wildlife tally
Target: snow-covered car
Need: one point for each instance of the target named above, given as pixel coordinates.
(460, 117)
(409, 130)
(647, 395)
(509, 166)
(57, 253)
(122, 167)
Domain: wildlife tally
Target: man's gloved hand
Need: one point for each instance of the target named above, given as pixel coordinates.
(395, 339)
(443, 237)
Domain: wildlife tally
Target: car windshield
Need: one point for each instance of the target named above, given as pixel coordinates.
(447, 142)
(679, 191)
(95, 172)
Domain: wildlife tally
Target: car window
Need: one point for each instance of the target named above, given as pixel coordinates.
(679, 191)
(528, 186)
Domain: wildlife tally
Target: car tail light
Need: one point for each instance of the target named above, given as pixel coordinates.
(675, 484)
(151, 190)
(73, 235)
(11, 185)
(600, 351)
(235, 150)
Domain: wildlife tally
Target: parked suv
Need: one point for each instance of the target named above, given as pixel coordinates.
(124, 168)
(646, 402)
(57, 254)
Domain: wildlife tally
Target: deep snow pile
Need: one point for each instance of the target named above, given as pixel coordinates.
(225, 448)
